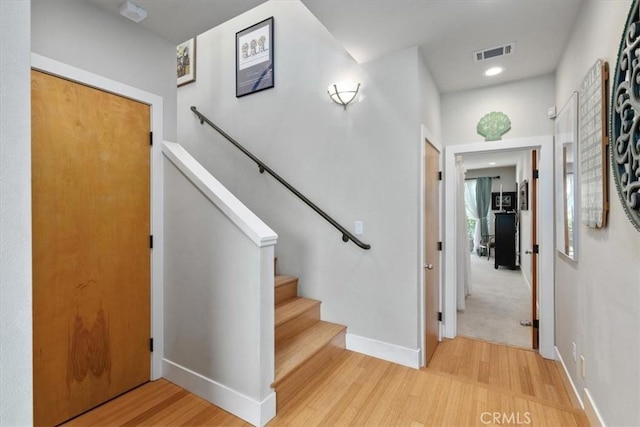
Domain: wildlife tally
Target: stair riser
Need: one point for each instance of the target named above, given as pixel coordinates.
(310, 372)
(297, 324)
(285, 292)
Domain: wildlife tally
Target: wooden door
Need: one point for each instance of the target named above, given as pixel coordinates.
(431, 253)
(534, 252)
(91, 256)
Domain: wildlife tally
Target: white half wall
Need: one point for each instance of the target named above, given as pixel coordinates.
(219, 288)
(16, 376)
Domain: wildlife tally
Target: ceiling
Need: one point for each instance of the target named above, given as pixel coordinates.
(447, 31)
(180, 20)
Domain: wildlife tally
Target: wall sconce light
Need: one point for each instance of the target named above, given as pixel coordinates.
(343, 93)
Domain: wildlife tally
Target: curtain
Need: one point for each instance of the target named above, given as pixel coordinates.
(472, 210)
(463, 260)
(483, 202)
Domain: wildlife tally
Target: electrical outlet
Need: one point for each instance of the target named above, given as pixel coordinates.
(583, 371)
(359, 228)
(575, 352)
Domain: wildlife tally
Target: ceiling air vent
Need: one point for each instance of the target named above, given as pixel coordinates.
(494, 52)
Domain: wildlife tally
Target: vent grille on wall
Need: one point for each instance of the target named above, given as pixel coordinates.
(494, 52)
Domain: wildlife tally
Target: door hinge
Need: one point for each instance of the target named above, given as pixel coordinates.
(150, 138)
(535, 324)
(440, 176)
(439, 246)
(439, 316)
(536, 249)
(151, 241)
(151, 345)
(536, 174)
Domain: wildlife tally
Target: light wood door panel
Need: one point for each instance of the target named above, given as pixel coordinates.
(431, 253)
(91, 256)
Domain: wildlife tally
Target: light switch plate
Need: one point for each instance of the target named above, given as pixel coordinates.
(359, 228)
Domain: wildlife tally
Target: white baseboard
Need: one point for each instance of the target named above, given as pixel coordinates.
(385, 351)
(568, 382)
(254, 412)
(590, 408)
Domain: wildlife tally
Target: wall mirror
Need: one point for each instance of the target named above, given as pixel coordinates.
(566, 154)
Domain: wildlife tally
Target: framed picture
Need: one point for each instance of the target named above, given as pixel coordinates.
(524, 195)
(254, 58)
(186, 62)
(593, 136)
(509, 199)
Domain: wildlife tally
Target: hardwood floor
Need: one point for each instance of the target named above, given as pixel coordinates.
(468, 383)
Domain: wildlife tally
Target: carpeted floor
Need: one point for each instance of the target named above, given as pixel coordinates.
(499, 300)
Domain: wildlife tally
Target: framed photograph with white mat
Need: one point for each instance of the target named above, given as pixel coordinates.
(254, 58)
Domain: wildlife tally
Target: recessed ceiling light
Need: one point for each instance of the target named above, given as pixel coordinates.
(494, 71)
(492, 163)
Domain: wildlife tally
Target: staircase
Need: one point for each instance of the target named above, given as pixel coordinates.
(304, 344)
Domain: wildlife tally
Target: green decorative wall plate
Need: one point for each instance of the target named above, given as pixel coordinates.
(493, 125)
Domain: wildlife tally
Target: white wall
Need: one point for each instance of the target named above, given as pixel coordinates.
(598, 297)
(507, 180)
(16, 397)
(525, 102)
(80, 34)
(429, 100)
(358, 164)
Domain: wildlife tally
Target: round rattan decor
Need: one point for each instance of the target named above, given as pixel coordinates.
(625, 118)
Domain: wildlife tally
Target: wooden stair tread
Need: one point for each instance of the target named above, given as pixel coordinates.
(293, 353)
(281, 280)
(293, 308)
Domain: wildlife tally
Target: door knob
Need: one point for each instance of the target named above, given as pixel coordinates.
(428, 266)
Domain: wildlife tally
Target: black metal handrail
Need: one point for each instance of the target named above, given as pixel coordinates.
(346, 235)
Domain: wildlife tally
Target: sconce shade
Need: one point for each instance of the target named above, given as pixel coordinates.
(343, 93)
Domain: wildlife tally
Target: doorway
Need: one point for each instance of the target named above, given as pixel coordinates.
(496, 306)
(545, 296)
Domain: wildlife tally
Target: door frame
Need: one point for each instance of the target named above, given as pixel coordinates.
(545, 234)
(155, 102)
(427, 137)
